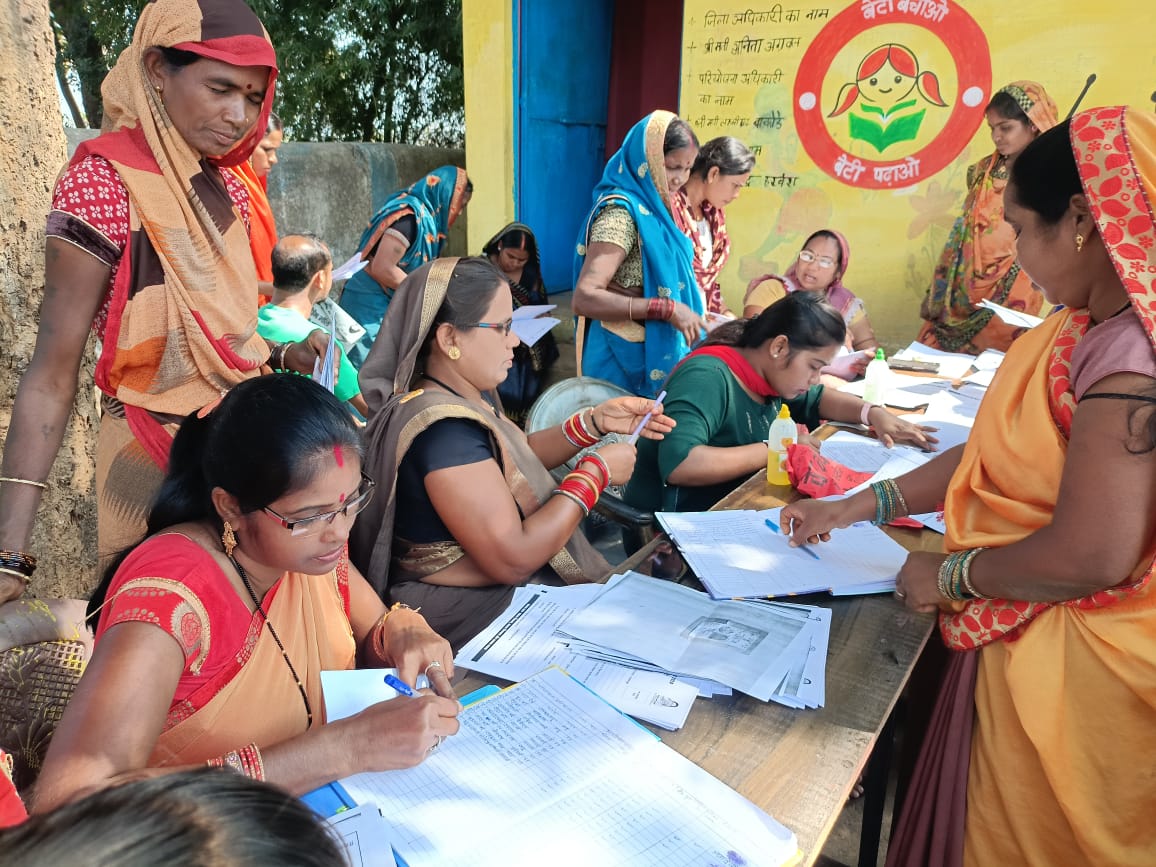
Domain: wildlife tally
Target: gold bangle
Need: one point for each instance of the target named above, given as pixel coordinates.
(630, 309)
(42, 485)
(25, 578)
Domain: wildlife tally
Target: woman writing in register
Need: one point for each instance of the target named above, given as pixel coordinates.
(726, 393)
(469, 510)
(213, 632)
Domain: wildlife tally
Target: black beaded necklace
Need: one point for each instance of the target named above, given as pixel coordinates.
(276, 638)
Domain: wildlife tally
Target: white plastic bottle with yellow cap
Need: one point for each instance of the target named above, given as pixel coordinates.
(782, 435)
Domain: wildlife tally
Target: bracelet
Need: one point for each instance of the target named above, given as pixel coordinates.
(889, 502)
(246, 761)
(600, 462)
(954, 578)
(18, 564)
(583, 487)
(586, 427)
(27, 579)
(576, 433)
(377, 634)
(42, 485)
(576, 499)
(630, 308)
(867, 407)
(601, 433)
(279, 350)
(661, 309)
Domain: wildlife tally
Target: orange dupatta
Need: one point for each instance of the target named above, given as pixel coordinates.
(263, 228)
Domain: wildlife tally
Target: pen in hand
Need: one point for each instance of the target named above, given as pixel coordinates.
(399, 686)
(646, 418)
(802, 548)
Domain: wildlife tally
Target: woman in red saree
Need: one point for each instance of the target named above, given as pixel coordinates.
(213, 632)
(1040, 750)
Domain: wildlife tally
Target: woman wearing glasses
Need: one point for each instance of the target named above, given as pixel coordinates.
(469, 510)
(819, 269)
(211, 634)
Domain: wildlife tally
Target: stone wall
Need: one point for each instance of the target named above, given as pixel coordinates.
(333, 188)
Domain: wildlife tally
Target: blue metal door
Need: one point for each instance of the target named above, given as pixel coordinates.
(562, 81)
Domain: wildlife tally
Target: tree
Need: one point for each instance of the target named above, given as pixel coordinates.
(32, 151)
(378, 70)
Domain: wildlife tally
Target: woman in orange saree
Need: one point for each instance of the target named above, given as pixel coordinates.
(254, 174)
(979, 260)
(1040, 750)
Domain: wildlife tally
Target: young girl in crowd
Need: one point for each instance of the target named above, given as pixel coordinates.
(724, 396)
(212, 633)
(721, 170)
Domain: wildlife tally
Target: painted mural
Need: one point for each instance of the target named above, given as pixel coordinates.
(864, 117)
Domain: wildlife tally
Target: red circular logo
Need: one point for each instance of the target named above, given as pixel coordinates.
(875, 114)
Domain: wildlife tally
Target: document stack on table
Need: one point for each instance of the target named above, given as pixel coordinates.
(742, 554)
(546, 772)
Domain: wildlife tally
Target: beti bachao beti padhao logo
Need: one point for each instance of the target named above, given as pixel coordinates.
(891, 91)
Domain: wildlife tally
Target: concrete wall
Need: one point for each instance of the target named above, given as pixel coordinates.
(333, 188)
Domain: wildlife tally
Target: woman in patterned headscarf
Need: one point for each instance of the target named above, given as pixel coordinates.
(1040, 746)
(979, 260)
(148, 246)
(407, 231)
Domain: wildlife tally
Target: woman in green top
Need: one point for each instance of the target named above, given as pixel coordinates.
(726, 393)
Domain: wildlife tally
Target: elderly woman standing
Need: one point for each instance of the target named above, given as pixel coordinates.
(721, 170)
(979, 259)
(635, 285)
(469, 510)
(1040, 750)
(148, 246)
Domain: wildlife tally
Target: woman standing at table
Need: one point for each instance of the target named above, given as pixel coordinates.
(721, 170)
(407, 231)
(725, 394)
(214, 630)
(1037, 751)
(979, 260)
(470, 511)
(635, 289)
(147, 245)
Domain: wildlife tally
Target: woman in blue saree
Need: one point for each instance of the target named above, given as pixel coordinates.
(405, 233)
(635, 287)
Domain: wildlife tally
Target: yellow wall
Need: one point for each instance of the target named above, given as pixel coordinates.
(488, 57)
(896, 234)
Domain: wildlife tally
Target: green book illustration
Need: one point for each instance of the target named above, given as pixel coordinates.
(904, 127)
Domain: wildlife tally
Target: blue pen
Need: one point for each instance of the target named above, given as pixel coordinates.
(400, 685)
(802, 548)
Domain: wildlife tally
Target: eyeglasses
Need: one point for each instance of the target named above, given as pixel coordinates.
(809, 257)
(505, 327)
(316, 523)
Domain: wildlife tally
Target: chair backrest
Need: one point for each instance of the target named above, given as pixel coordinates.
(562, 399)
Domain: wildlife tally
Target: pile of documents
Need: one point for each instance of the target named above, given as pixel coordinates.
(546, 772)
(651, 647)
(742, 554)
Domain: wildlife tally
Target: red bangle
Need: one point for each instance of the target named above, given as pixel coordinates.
(600, 462)
(660, 309)
(584, 489)
(576, 433)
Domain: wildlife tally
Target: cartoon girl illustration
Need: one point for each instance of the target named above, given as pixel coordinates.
(885, 81)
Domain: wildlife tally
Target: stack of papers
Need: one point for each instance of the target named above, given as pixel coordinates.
(547, 773)
(755, 648)
(737, 554)
(952, 365)
(525, 639)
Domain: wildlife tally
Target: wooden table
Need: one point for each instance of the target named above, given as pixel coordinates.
(800, 765)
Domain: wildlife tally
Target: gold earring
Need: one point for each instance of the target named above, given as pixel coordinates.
(158, 89)
(228, 539)
(454, 353)
(1079, 242)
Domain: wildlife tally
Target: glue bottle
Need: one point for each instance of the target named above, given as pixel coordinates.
(782, 435)
(876, 379)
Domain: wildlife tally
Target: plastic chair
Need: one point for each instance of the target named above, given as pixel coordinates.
(559, 402)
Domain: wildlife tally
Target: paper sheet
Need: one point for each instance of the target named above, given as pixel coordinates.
(845, 363)
(350, 692)
(860, 453)
(350, 267)
(952, 365)
(548, 773)
(1012, 317)
(904, 391)
(531, 323)
(366, 836)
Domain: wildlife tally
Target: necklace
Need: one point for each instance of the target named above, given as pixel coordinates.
(276, 638)
(436, 381)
